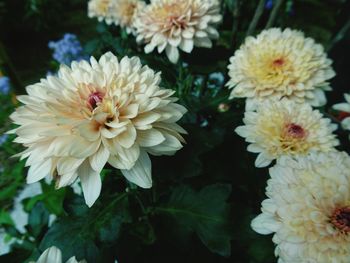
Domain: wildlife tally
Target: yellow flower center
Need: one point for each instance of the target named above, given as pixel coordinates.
(341, 219)
(127, 9)
(103, 6)
(293, 137)
(171, 14)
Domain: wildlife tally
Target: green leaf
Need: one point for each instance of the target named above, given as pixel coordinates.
(205, 212)
(5, 218)
(11, 181)
(38, 219)
(76, 234)
(73, 237)
(51, 197)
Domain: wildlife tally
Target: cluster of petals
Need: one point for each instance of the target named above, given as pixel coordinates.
(277, 129)
(280, 64)
(171, 25)
(105, 111)
(119, 12)
(54, 255)
(344, 109)
(308, 209)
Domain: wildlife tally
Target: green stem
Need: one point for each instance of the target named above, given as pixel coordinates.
(141, 204)
(274, 13)
(258, 13)
(235, 24)
(340, 35)
(10, 70)
(109, 206)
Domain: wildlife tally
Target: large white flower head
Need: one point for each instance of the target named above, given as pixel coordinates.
(344, 109)
(54, 255)
(93, 113)
(308, 209)
(102, 10)
(278, 64)
(171, 25)
(285, 128)
(124, 13)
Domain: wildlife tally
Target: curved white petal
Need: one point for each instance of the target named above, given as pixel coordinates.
(51, 255)
(141, 173)
(90, 182)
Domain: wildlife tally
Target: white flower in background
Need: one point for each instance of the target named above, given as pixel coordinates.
(171, 25)
(285, 128)
(308, 209)
(124, 13)
(344, 109)
(102, 10)
(278, 64)
(54, 255)
(90, 114)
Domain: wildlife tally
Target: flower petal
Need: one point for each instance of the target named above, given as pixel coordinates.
(140, 173)
(51, 255)
(90, 182)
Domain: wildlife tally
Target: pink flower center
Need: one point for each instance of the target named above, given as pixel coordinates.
(295, 131)
(95, 98)
(278, 62)
(342, 115)
(341, 219)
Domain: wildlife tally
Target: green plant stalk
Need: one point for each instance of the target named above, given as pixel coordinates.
(6, 62)
(235, 24)
(258, 13)
(340, 35)
(274, 13)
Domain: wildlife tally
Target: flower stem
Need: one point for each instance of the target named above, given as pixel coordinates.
(12, 74)
(340, 35)
(235, 15)
(274, 13)
(258, 13)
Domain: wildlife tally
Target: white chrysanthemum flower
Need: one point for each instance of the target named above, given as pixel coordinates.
(124, 13)
(285, 128)
(102, 10)
(171, 25)
(278, 64)
(308, 209)
(54, 255)
(344, 108)
(107, 111)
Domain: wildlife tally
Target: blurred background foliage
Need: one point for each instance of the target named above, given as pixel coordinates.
(204, 197)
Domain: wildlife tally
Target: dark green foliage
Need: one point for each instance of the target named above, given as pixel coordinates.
(204, 197)
(206, 213)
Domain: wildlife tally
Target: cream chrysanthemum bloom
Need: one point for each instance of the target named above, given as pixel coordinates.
(278, 64)
(124, 13)
(344, 108)
(171, 25)
(54, 255)
(285, 128)
(107, 111)
(102, 10)
(308, 209)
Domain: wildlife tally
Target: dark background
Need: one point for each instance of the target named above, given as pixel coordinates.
(213, 152)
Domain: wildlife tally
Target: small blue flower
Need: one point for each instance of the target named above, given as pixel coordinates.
(67, 49)
(3, 139)
(269, 4)
(4, 85)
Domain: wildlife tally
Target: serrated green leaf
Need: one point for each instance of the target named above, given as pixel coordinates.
(205, 212)
(76, 235)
